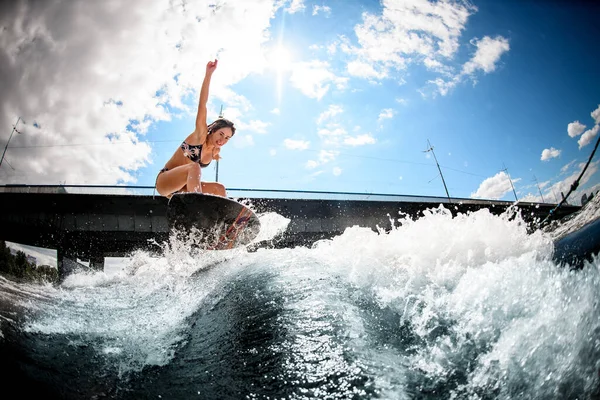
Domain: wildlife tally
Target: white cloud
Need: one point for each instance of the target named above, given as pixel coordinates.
(386, 113)
(485, 59)
(328, 133)
(362, 69)
(419, 27)
(326, 156)
(596, 114)
(296, 144)
(96, 75)
(487, 55)
(434, 65)
(295, 6)
(495, 187)
(575, 129)
(275, 111)
(314, 78)
(254, 126)
(332, 135)
(331, 112)
(312, 164)
(554, 191)
(337, 171)
(242, 141)
(530, 198)
(273, 152)
(588, 136)
(335, 135)
(444, 87)
(547, 154)
(566, 167)
(360, 140)
(324, 9)
(332, 49)
(418, 31)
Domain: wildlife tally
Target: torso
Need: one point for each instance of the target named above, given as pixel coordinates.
(178, 158)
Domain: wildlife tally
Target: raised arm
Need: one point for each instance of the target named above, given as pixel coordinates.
(201, 128)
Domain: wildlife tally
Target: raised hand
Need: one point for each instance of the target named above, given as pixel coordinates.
(211, 66)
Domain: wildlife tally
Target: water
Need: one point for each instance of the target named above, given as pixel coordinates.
(440, 308)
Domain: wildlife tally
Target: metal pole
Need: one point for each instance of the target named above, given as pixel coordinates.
(217, 169)
(511, 184)
(555, 198)
(217, 173)
(540, 190)
(10, 137)
(439, 169)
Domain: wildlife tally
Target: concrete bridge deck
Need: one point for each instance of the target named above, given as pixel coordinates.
(94, 226)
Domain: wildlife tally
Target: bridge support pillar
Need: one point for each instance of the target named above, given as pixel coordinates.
(97, 262)
(66, 262)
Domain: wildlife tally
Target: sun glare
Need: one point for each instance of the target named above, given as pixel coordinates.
(280, 59)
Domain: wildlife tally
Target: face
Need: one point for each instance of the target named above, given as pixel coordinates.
(221, 136)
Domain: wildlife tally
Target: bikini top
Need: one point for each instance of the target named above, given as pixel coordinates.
(193, 152)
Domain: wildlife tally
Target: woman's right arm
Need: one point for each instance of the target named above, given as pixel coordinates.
(201, 129)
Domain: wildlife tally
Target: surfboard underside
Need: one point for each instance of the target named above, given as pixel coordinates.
(215, 222)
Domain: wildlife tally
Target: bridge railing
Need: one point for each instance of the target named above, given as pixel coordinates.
(249, 193)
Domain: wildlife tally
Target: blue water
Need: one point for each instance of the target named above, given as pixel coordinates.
(440, 308)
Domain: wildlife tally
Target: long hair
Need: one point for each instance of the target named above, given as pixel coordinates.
(221, 123)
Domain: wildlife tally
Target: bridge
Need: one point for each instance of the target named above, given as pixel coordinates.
(91, 226)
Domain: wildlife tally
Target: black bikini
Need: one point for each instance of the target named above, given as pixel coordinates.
(193, 152)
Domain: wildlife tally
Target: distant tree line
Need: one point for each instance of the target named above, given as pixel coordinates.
(17, 266)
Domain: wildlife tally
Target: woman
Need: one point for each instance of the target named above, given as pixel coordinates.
(182, 172)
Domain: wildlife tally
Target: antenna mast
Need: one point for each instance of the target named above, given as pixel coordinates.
(554, 193)
(10, 137)
(540, 190)
(430, 149)
(217, 169)
(511, 184)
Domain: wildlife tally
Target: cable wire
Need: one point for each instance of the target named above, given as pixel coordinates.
(573, 187)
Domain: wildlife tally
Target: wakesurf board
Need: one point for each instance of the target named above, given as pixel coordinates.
(217, 223)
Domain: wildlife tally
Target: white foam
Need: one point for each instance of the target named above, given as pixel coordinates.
(271, 225)
(139, 311)
(590, 212)
(483, 278)
(490, 284)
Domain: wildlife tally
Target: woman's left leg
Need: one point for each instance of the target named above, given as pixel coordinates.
(214, 188)
(184, 178)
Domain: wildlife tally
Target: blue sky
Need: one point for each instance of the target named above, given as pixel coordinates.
(327, 96)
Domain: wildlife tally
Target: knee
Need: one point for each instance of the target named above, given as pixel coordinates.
(194, 168)
(220, 189)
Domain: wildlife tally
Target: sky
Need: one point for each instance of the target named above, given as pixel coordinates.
(340, 95)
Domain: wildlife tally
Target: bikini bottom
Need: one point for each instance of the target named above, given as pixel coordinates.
(160, 172)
